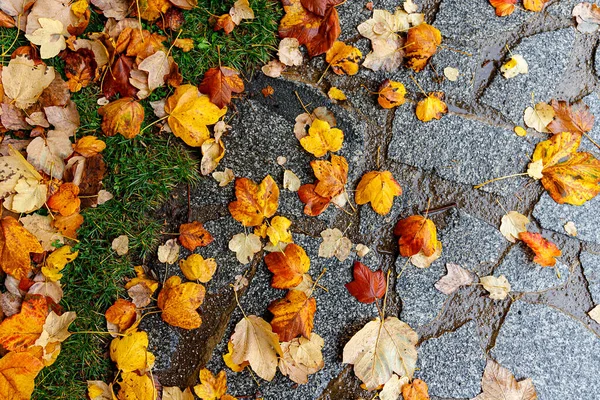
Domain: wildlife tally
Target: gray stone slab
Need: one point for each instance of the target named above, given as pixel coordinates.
(467, 241)
(591, 269)
(460, 149)
(593, 101)
(558, 353)
(452, 365)
(338, 317)
(554, 216)
(353, 13)
(547, 55)
(526, 276)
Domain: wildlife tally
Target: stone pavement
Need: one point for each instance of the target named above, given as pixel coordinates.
(542, 331)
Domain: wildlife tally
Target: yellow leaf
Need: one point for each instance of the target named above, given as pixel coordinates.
(56, 261)
(20, 331)
(89, 146)
(17, 374)
(179, 301)
(213, 151)
(136, 387)
(391, 94)
(322, 138)
(189, 114)
(227, 358)
(211, 387)
(336, 94)
(431, 107)
(534, 5)
(130, 352)
(142, 278)
(15, 245)
(343, 58)
(278, 231)
(124, 116)
(379, 188)
(195, 267)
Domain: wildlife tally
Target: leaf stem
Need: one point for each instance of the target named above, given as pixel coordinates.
(498, 179)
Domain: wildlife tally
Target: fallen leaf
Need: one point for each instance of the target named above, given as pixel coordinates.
(169, 252)
(570, 228)
(393, 388)
(455, 278)
(289, 52)
(594, 313)
(64, 118)
(211, 387)
(245, 246)
(416, 390)
(451, 74)
(498, 383)
(503, 7)
(367, 286)
(122, 315)
(89, 146)
(387, 54)
(322, 138)
(16, 243)
(534, 169)
(267, 91)
(416, 234)
(124, 116)
(497, 287)
(224, 22)
(219, 83)
(189, 114)
(57, 261)
(515, 66)
(513, 223)
(273, 69)
(432, 107)
(134, 386)
(302, 357)
(534, 5)
(278, 231)
(332, 176)
(65, 201)
(196, 268)
(319, 7)
(68, 226)
(241, 10)
(48, 154)
(314, 203)
(545, 251)
(288, 266)
(254, 341)
(378, 188)
(336, 94)
(193, 235)
(569, 176)
(41, 227)
(343, 58)
(49, 37)
(362, 250)
(20, 331)
(213, 151)
(227, 358)
(520, 131)
(120, 245)
(224, 178)
(186, 45)
(17, 374)
(24, 80)
(116, 79)
(56, 328)
(46, 287)
(291, 181)
(81, 68)
(382, 29)
(174, 393)
(293, 315)
(179, 301)
(381, 348)
(254, 202)
(421, 43)
(575, 118)
(334, 244)
(539, 117)
(391, 94)
(587, 16)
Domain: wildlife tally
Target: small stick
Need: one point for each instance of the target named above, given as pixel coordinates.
(498, 179)
(440, 209)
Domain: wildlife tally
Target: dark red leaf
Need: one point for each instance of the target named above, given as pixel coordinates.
(367, 285)
(219, 83)
(319, 7)
(116, 79)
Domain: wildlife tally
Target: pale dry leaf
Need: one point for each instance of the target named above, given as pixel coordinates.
(103, 197)
(387, 54)
(65, 119)
(498, 287)
(594, 313)
(362, 250)
(281, 160)
(587, 16)
(141, 294)
(117, 9)
(393, 388)
(273, 68)
(306, 286)
(420, 260)
(221, 128)
(451, 74)
(245, 246)
(174, 393)
(512, 224)
(302, 357)
(539, 117)
(48, 154)
(10, 304)
(334, 244)
(120, 245)
(410, 7)
(224, 177)
(169, 252)
(570, 228)
(59, 10)
(241, 10)
(240, 283)
(289, 52)
(515, 66)
(56, 328)
(534, 169)
(21, 186)
(213, 151)
(455, 278)
(498, 383)
(47, 288)
(37, 118)
(49, 37)
(157, 67)
(41, 227)
(24, 81)
(291, 181)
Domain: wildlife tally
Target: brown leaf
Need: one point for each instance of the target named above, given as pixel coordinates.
(315, 204)
(124, 116)
(499, 383)
(116, 79)
(224, 22)
(219, 83)
(575, 118)
(194, 235)
(319, 7)
(80, 68)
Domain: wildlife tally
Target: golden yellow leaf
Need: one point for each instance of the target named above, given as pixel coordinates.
(343, 58)
(15, 245)
(534, 5)
(322, 138)
(227, 358)
(336, 94)
(89, 146)
(179, 301)
(130, 352)
(142, 278)
(195, 267)
(391, 94)
(17, 374)
(379, 188)
(431, 107)
(278, 231)
(136, 387)
(211, 387)
(56, 261)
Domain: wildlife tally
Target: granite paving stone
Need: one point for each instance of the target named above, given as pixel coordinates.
(560, 354)
(591, 269)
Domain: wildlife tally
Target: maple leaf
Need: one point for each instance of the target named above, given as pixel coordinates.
(497, 287)
(41, 227)
(498, 383)
(55, 329)
(378, 188)
(381, 348)
(513, 223)
(174, 393)
(416, 390)
(116, 79)
(293, 315)
(193, 235)
(288, 266)
(569, 176)
(195, 267)
(302, 357)
(534, 5)
(169, 252)
(213, 151)
(587, 16)
(575, 118)
(89, 146)
(80, 68)
(332, 176)
(24, 80)
(317, 32)
(382, 29)
(393, 388)
(421, 43)
(544, 250)
(130, 352)
(367, 286)
(16, 243)
(322, 138)
(241, 10)
(17, 375)
(314, 203)
(189, 114)
(289, 52)
(179, 301)
(21, 185)
(455, 278)
(421, 260)
(48, 154)
(57, 261)
(416, 234)
(538, 117)
(245, 246)
(124, 116)
(68, 226)
(278, 230)
(254, 202)
(65, 201)
(211, 387)
(343, 58)
(391, 94)
(334, 244)
(432, 107)
(227, 358)
(219, 83)
(21, 330)
(49, 37)
(157, 67)
(122, 314)
(134, 386)
(503, 7)
(254, 341)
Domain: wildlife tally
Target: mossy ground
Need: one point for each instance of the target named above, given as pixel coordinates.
(141, 173)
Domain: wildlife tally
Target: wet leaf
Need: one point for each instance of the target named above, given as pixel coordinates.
(240, 11)
(545, 251)
(288, 266)
(497, 287)
(56, 328)
(416, 234)
(278, 231)
(57, 261)
(291, 181)
(332, 176)
(575, 118)
(179, 301)
(391, 94)
(116, 79)
(343, 58)
(193, 235)
(89, 146)
(455, 278)
(498, 383)
(432, 107)
(254, 202)
(195, 267)
(334, 244)
(421, 44)
(587, 16)
(367, 286)
(315, 204)
(378, 188)
(513, 223)
(393, 388)
(293, 315)
(220, 83)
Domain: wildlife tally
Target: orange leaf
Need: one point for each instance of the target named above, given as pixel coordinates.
(421, 43)
(416, 390)
(332, 176)
(544, 250)
(65, 200)
(68, 226)
(194, 235)
(314, 203)
(89, 146)
(534, 5)
(287, 267)
(343, 58)
(379, 188)
(17, 374)
(293, 315)
(124, 116)
(179, 302)
(317, 32)
(122, 313)
(319, 7)
(391, 94)
(416, 234)
(21, 330)
(503, 7)
(432, 107)
(224, 22)
(219, 83)
(211, 387)
(254, 202)
(575, 118)
(15, 245)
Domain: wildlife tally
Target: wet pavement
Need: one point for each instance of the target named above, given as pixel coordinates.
(541, 331)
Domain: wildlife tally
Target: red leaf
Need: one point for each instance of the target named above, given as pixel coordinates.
(116, 79)
(219, 83)
(319, 7)
(367, 285)
(314, 203)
